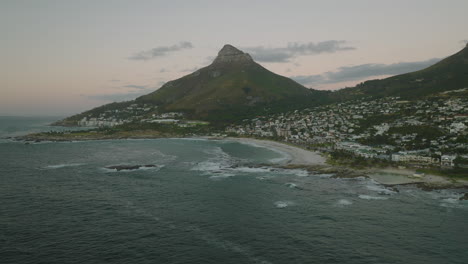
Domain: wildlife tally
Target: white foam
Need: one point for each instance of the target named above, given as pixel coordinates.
(263, 178)
(162, 156)
(282, 159)
(344, 202)
(451, 200)
(157, 167)
(291, 185)
(284, 155)
(297, 172)
(208, 166)
(59, 166)
(325, 175)
(218, 164)
(253, 170)
(283, 204)
(221, 176)
(370, 197)
(380, 189)
(191, 139)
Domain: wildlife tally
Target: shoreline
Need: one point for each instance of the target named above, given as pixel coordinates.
(314, 161)
(294, 158)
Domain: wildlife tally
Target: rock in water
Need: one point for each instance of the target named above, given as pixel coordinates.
(129, 167)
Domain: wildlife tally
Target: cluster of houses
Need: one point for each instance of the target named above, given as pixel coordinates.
(137, 113)
(114, 117)
(353, 127)
(417, 157)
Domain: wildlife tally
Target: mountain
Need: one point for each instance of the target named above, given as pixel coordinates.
(232, 82)
(234, 86)
(450, 73)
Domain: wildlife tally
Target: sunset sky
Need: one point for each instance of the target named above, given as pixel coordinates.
(64, 57)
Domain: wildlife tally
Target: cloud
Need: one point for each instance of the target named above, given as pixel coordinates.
(134, 92)
(120, 97)
(359, 72)
(160, 51)
(293, 50)
(133, 86)
(114, 80)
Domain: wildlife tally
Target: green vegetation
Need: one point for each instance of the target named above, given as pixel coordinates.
(448, 74)
(455, 173)
(427, 132)
(344, 158)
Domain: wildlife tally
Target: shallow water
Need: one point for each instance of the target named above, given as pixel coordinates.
(209, 202)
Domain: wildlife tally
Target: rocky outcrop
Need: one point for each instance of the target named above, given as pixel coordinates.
(129, 167)
(229, 54)
(464, 197)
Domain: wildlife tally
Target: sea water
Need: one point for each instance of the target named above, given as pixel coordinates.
(207, 201)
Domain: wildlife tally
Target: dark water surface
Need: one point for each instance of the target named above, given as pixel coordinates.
(204, 203)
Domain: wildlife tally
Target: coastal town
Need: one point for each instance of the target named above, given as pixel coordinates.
(422, 133)
(430, 132)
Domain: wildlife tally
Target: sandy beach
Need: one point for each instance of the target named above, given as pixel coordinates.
(386, 176)
(294, 155)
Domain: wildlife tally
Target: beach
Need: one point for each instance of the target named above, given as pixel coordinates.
(297, 157)
(294, 155)
(390, 176)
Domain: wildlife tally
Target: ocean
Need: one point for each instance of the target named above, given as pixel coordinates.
(207, 201)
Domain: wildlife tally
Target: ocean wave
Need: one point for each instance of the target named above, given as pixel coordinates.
(163, 156)
(219, 163)
(291, 185)
(283, 204)
(344, 202)
(141, 168)
(221, 176)
(59, 166)
(324, 175)
(379, 189)
(454, 203)
(449, 198)
(253, 169)
(222, 162)
(370, 197)
(263, 178)
(297, 172)
(284, 155)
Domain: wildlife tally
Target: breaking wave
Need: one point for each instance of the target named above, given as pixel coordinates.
(370, 197)
(283, 204)
(59, 166)
(379, 189)
(344, 202)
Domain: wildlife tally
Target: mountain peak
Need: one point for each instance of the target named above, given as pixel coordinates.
(230, 53)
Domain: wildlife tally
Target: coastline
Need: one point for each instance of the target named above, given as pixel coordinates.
(315, 162)
(295, 158)
(294, 155)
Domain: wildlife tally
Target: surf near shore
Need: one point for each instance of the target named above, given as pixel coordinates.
(296, 157)
(293, 155)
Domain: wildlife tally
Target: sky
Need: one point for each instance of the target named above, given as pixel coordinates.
(64, 57)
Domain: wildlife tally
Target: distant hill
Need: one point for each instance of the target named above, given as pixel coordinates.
(232, 80)
(232, 87)
(235, 87)
(449, 74)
